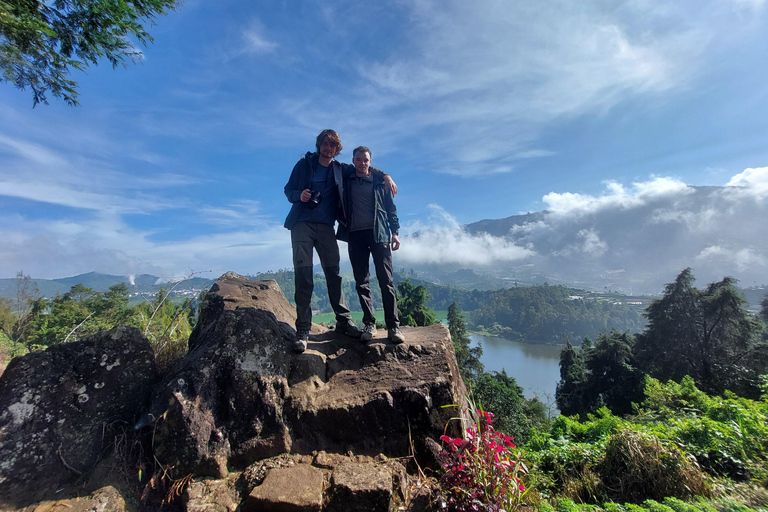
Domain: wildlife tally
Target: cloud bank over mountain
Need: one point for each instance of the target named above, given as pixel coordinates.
(633, 238)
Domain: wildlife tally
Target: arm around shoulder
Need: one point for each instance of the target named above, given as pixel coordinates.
(388, 181)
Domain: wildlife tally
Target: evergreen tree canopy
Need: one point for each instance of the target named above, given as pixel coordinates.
(569, 394)
(468, 357)
(40, 42)
(613, 380)
(514, 415)
(707, 334)
(598, 376)
(412, 305)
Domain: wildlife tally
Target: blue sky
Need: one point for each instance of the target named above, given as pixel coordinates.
(478, 110)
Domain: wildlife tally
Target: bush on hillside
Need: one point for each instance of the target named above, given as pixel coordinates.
(638, 466)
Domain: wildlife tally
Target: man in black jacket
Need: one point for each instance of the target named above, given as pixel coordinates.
(371, 230)
(314, 189)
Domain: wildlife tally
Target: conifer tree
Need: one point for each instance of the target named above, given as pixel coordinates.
(707, 334)
(467, 356)
(412, 305)
(569, 394)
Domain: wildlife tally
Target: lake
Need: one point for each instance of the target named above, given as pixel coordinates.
(536, 368)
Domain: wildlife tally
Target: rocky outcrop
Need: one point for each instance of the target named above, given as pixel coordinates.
(241, 422)
(240, 395)
(331, 483)
(106, 499)
(57, 408)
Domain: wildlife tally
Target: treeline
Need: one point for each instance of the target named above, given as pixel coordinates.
(548, 314)
(705, 334)
(34, 322)
(533, 314)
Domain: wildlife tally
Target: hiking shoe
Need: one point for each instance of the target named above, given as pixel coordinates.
(369, 331)
(396, 335)
(300, 345)
(349, 328)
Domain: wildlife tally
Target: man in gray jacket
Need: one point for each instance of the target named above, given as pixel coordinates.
(314, 189)
(371, 230)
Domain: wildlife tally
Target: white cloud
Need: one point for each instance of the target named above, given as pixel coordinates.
(238, 214)
(495, 74)
(589, 243)
(741, 259)
(444, 241)
(615, 196)
(754, 180)
(255, 40)
(33, 152)
(104, 243)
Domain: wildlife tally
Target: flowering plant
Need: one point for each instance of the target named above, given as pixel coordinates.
(482, 472)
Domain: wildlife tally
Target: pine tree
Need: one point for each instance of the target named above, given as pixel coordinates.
(569, 394)
(412, 305)
(707, 334)
(467, 356)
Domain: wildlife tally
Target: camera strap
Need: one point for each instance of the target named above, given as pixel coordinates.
(310, 168)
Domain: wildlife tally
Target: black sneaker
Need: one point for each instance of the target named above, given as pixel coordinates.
(300, 345)
(396, 335)
(349, 328)
(369, 331)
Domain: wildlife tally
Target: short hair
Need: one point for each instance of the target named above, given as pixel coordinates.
(332, 136)
(362, 148)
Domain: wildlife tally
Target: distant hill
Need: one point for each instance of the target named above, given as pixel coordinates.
(140, 287)
(628, 240)
(501, 227)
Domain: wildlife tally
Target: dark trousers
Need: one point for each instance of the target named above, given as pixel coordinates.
(361, 246)
(305, 237)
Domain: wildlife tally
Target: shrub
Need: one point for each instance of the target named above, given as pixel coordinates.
(483, 471)
(638, 466)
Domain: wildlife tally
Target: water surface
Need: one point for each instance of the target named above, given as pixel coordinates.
(536, 368)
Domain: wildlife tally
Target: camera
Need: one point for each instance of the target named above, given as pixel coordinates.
(314, 199)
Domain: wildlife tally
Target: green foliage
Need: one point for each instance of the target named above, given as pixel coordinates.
(639, 466)
(40, 42)
(728, 436)
(167, 326)
(412, 305)
(599, 375)
(612, 379)
(513, 413)
(651, 454)
(545, 313)
(707, 334)
(7, 318)
(548, 323)
(78, 313)
(25, 294)
(9, 349)
(572, 385)
(669, 504)
(83, 311)
(467, 357)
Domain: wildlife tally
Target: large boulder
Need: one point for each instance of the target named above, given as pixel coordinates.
(241, 395)
(57, 407)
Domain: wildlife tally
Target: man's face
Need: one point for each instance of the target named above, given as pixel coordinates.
(362, 162)
(328, 148)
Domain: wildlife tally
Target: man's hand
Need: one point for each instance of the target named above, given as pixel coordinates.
(395, 242)
(305, 195)
(390, 184)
